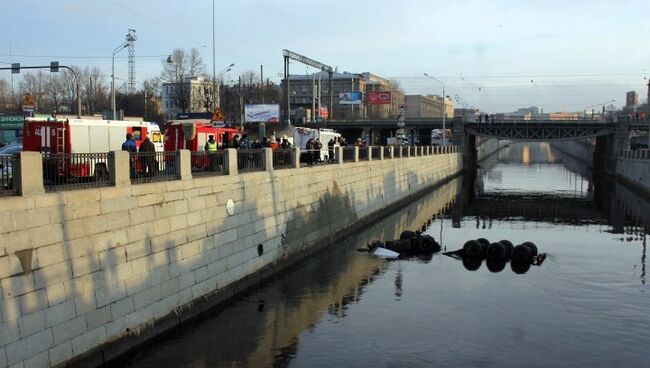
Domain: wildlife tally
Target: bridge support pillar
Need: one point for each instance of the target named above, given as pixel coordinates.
(465, 142)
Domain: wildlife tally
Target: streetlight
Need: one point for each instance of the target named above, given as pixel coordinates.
(119, 48)
(444, 109)
(214, 86)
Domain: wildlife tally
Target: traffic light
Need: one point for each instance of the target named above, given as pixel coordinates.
(15, 68)
(54, 66)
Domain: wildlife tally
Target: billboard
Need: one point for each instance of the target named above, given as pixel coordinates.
(262, 113)
(350, 98)
(379, 98)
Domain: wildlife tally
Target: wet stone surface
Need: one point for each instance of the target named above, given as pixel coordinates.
(586, 305)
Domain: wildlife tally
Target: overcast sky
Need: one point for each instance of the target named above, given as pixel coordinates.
(561, 55)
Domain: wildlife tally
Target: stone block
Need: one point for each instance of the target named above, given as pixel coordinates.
(55, 294)
(69, 330)
(51, 274)
(110, 294)
(9, 333)
(116, 328)
(10, 266)
(60, 313)
(122, 308)
(61, 353)
(31, 324)
(30, 175)
(147, 297)
(141, 215)
(32, 218)
(149, 199)
(88, 340)
(17, 285)
(29, 347)
(85, 303)
(9, 309)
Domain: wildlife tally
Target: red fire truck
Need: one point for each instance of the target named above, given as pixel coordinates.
(193, 134)
(60, 137)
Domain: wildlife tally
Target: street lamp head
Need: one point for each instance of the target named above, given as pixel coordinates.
(169, 59)
(426, 75)
(231, 65)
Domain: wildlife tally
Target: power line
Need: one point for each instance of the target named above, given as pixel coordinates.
(81, 57)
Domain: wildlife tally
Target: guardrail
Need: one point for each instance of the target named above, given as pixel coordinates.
(149, 167)
(640, 154)
(386, 152)
(283, 159)
(8, 168)
(348, 154)
(208, 163)
(67, 171)
(250, 160)
(363, 154)
(376, 152)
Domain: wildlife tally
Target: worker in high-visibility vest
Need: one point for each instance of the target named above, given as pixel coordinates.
(211, 149)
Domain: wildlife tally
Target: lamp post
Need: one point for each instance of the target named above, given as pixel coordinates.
(444, 109)
(119, 48)
(217, 93)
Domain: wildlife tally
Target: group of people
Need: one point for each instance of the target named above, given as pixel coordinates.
(148, 162)
(489, 119)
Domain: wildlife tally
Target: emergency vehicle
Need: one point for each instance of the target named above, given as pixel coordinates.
(193, 134)
(65, 136)
(302, 135)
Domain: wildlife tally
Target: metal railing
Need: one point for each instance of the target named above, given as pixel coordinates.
(250, 160)
(348, 154)
(283, 159)
(376, 152)
(208, 163)
(67, 171)
(363, 154)
(149, 167)
(8, 169)
(387, 153)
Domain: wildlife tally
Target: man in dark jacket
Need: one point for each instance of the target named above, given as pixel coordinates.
(149, 162)
(129, 144)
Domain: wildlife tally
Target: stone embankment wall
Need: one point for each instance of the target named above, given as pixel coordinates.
(582, 151)
(489, 147)
(633, 167)
(87, 274)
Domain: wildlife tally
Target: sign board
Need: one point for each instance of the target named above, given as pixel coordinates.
(218, 115)
(324, 112)
(402, 109)
(261, 113)
(350, 98)
(379, 98)
(11, 122)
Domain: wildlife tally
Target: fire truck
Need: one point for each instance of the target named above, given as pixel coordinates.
(61, 137)
(193, 134)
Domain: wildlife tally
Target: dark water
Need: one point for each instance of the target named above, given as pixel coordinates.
(586, 305)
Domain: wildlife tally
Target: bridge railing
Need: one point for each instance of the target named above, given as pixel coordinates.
(639, 154)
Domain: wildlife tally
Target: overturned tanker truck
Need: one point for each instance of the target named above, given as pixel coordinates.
(409, 243)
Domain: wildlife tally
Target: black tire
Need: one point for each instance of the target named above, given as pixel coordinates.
(408, 234)
(522, 254)
(495, 265)
(509, 247)
(472, 249)
(484, 246)
(427, 244)
(519, 267)
(471, 263)
(400, 246)
(532, 246)
(496, 251)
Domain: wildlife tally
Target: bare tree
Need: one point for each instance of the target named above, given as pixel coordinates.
(6, 102)
(94, 90)
(176, 68)
(69, 87)
(34, 84)
(54, 92)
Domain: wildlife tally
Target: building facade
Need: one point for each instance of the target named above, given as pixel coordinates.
(428, 106)
(631, 99)
(308, 92)
(193, 95)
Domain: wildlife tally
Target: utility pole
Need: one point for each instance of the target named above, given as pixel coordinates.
(214, 65)
(241, 106)
(262, 82)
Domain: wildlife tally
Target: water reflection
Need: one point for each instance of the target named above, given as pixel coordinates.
(264, 329)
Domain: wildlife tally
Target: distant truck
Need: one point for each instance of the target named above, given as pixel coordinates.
(302, 135)
(59, 138)
(193, 134)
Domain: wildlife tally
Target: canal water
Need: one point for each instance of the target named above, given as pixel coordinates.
(587, 304)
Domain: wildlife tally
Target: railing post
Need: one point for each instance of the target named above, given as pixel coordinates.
(391, 153)
(30, 173)
(356, 153)
(408, 151)
(401, 151)
(369, 152)
(296, 157)
(381, 152)
(184, 164)
(268, 159)
(230, 161)
(119, 168)
(339, 154)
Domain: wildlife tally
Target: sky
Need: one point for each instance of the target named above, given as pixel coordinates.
(494, 55)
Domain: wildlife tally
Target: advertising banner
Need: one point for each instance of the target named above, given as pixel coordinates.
(379, 98)
(262, 113)
(350, 98)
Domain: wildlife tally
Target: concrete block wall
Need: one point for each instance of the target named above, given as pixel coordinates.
(83, 270)
(634, 168)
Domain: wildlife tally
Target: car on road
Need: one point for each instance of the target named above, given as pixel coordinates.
(6, 170)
